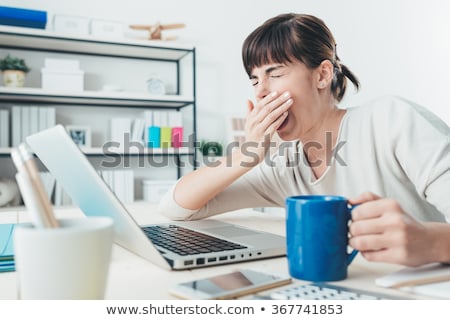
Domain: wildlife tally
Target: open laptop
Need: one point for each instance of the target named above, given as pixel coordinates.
(71, 168)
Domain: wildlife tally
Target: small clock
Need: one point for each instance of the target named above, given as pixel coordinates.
(156, 86)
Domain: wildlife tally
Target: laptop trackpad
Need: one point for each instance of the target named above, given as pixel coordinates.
(232, 232)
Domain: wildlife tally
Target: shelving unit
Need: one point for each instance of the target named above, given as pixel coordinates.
(180, 58)
(93, 98)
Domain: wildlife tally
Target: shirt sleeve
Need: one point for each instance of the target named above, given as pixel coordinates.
(422, 146)
(252, 190)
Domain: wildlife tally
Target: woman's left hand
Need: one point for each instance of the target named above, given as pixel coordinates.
(382, 231)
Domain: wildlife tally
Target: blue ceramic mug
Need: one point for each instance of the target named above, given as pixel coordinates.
(317, 237)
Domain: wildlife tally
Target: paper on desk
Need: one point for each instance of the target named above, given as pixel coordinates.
(6, 243)
(6, 247)
(427, 273)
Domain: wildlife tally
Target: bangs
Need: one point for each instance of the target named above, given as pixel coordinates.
(270, 45)
(289, 38)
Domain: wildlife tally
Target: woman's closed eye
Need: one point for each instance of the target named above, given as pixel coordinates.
(256, 81)
(276, 75)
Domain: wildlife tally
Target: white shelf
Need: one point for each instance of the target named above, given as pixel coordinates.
(146, 151)
(130, 99)
(5, 151)
(180, 58)
(43, 40)
(99, 152)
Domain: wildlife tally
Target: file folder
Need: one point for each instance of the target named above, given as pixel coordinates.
(6, 247)
(19, 17)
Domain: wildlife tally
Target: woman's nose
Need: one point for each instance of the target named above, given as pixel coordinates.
(262, 89)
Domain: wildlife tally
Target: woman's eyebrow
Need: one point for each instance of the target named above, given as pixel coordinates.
(268, 70)
(273, 68)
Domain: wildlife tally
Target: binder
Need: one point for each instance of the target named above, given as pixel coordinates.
(176, 123)
(6, 247)
(154, 137)
(166, 131)
(20, 17)
(166, 137)
(4, 128)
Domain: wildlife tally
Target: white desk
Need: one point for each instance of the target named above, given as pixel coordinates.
(131, 277)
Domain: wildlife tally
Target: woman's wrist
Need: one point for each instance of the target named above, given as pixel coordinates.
(440, 243)
(245, 158)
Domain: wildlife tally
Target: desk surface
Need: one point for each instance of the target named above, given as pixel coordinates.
(131, 277)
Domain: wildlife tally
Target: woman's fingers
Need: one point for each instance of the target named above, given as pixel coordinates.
(267, 115)
(271, 121)
(275, 125)
(363, 197)
(250, 106)
(368, 226)
(266, 119)
(264, 102)
(376, 208)
(370, 242)
(382, 231)
(270, 103)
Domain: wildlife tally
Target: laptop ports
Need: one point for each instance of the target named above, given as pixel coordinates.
(188, 262)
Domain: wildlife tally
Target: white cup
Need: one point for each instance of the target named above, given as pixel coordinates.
(70, 262)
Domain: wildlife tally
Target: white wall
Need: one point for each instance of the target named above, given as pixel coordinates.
(394, 47)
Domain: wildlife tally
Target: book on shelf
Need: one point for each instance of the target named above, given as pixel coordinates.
(176, 123)
(33, 120)
(54, 190)
(164, 129)
(120, 182)
(137, 132)
(155, 129)
(21, 17)
(6, 247)
(25, 127)
(27, 120)
(148, 122)
(118, 128)
(48, 181)
(4, 128)
(16, 125)
(61, 197)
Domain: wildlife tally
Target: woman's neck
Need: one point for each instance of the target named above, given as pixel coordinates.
(329, 122)
(319, 143)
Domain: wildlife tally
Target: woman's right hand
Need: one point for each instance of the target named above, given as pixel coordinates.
(263, 120)
(196, 188)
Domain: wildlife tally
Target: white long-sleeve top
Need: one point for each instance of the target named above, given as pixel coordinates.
(391, 147)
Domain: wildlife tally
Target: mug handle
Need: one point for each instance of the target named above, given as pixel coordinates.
(351, 255)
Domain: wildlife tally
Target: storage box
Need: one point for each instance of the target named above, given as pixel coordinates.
(62, 80)
(71, 24)
(154, 190)
(62, 74)
(61, 64)
(19, 17)
(107, 29)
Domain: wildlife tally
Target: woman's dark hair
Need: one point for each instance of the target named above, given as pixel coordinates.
(289, 37)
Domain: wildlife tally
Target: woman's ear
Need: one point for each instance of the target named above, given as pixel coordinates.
(324, 74)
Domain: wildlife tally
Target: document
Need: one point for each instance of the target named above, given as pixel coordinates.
(6, 247)
(430, 280)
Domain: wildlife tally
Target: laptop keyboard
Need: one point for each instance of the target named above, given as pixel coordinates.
(325, 291)
(184, 241)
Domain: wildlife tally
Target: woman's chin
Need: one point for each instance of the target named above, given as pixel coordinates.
(282, 129)
(285, 134)
(283, 124)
